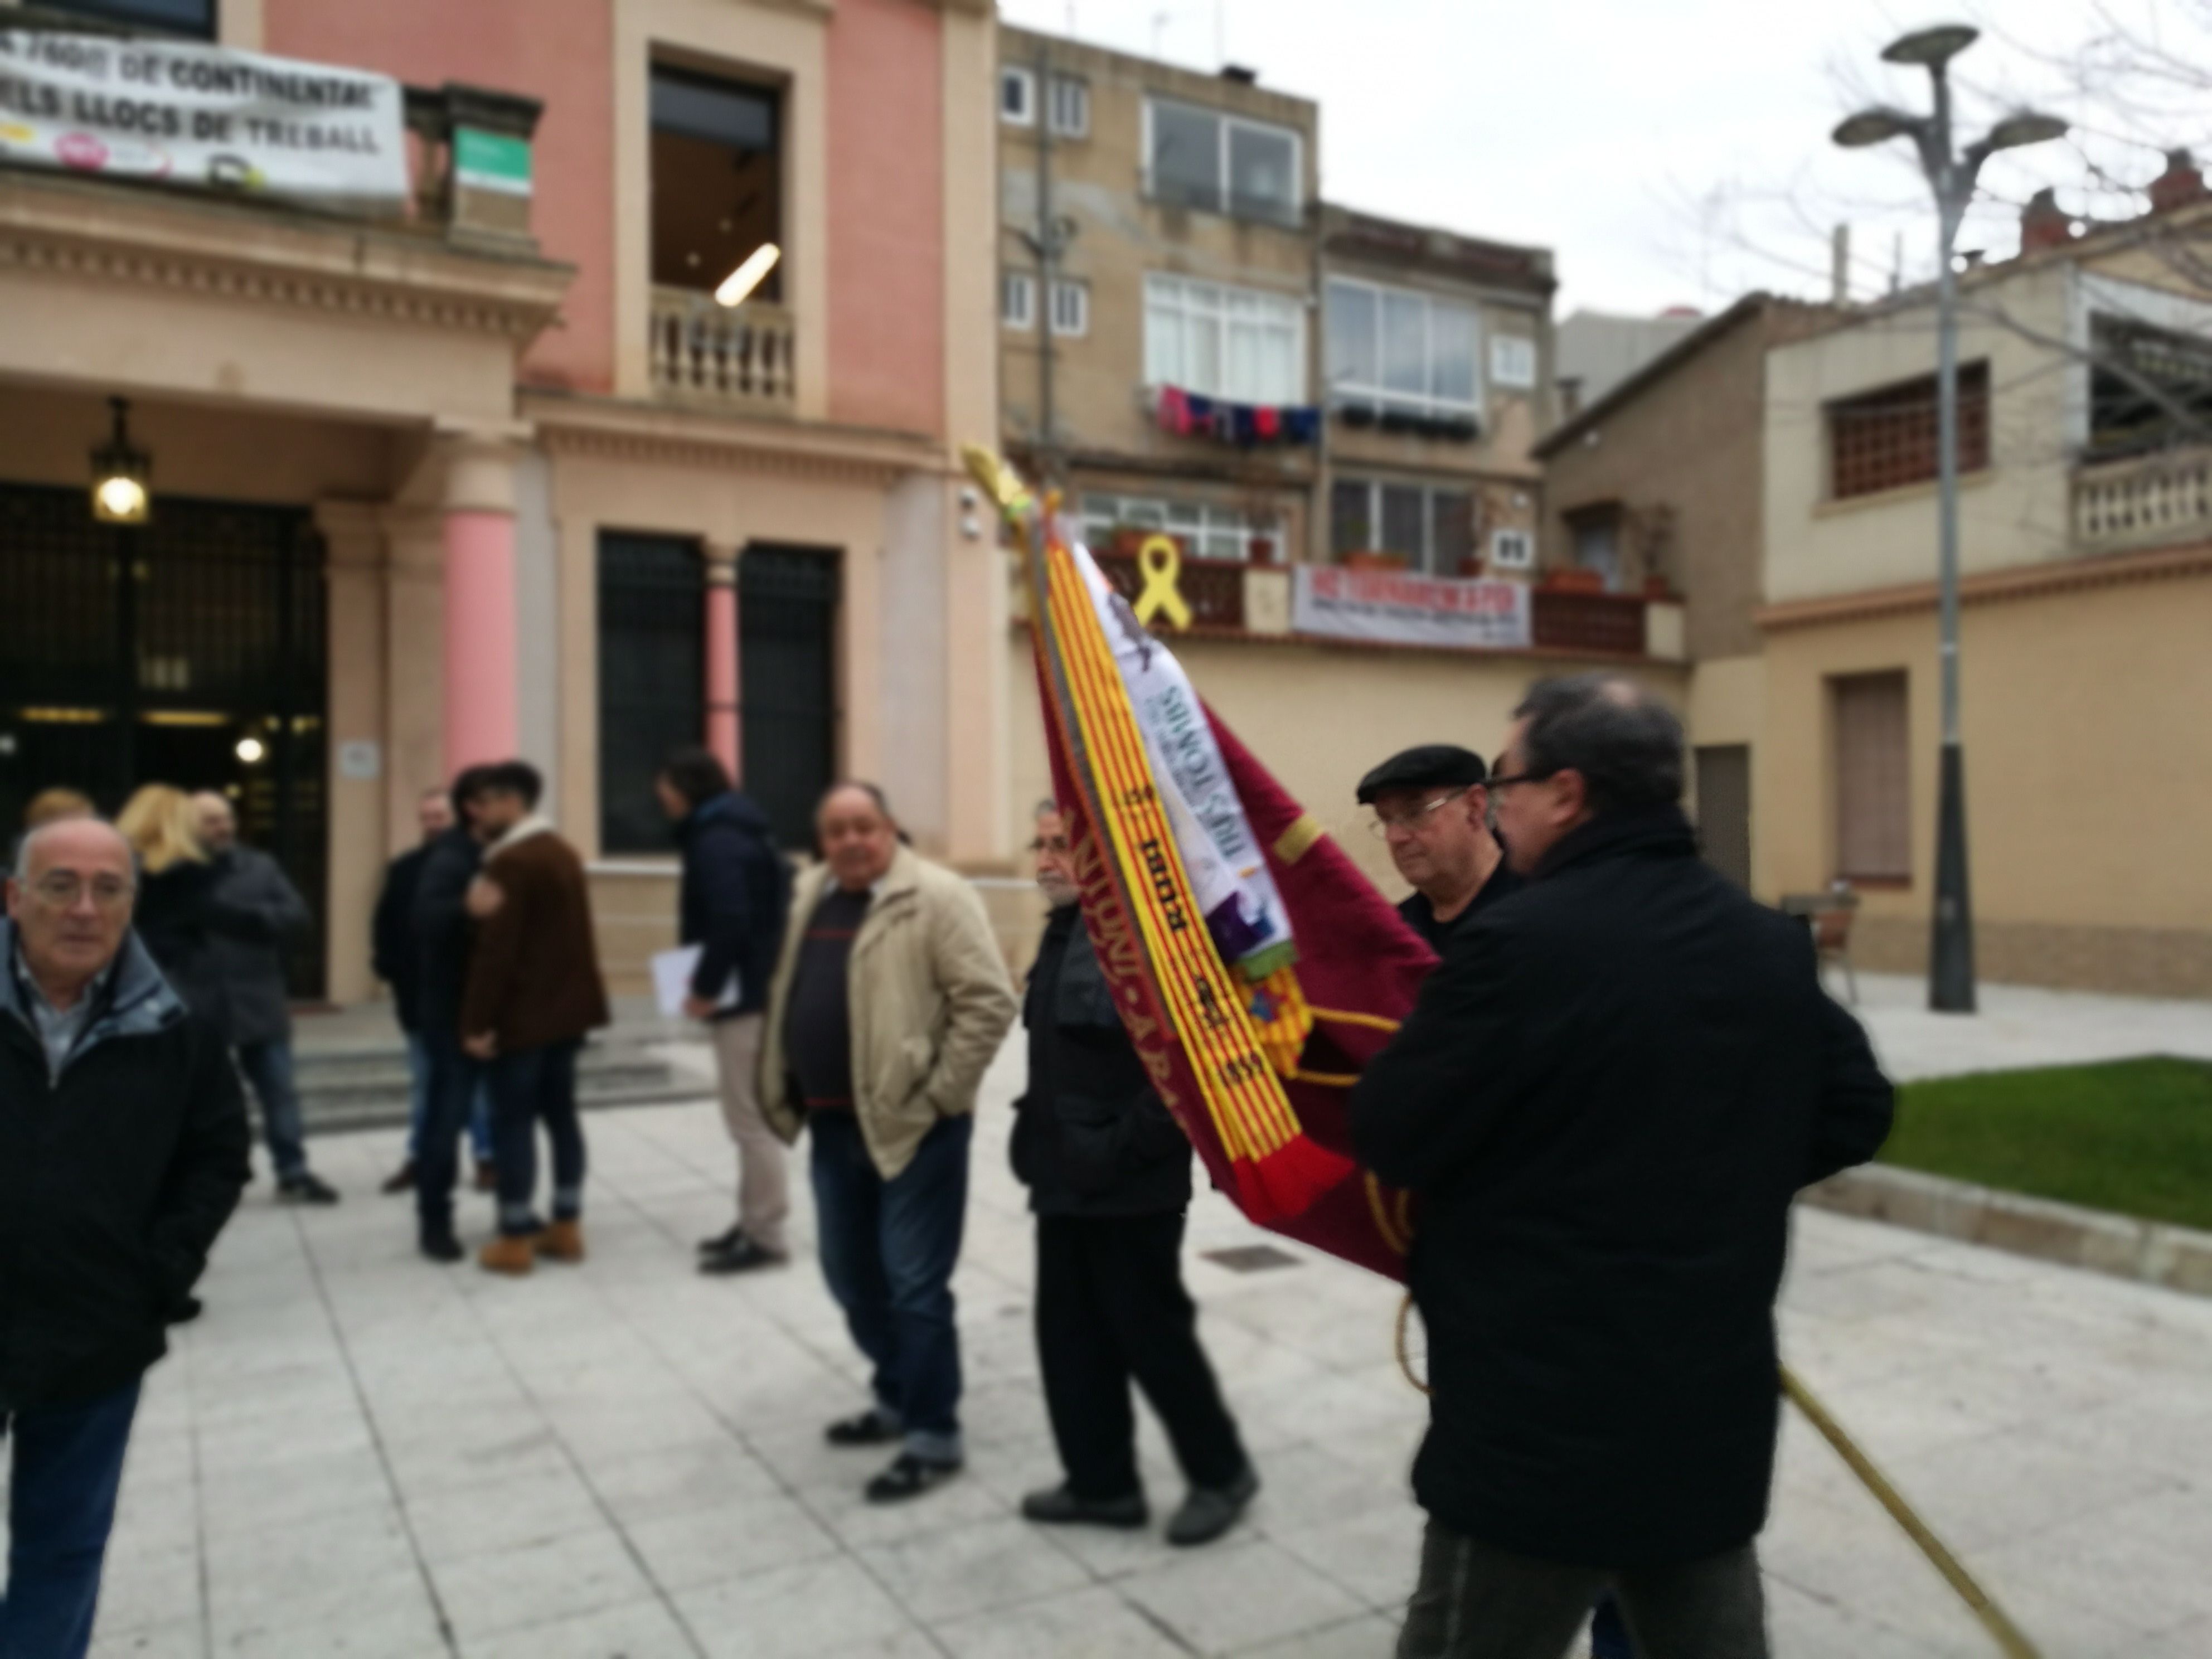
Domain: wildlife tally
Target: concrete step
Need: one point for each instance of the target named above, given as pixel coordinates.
(384, 1112)
(365, 1084)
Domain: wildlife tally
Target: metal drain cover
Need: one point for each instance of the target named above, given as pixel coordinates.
(1251, 1258)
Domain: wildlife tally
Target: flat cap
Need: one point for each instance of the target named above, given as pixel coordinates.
(1428, 766)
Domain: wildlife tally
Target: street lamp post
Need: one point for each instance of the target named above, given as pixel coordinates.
(1951, 174)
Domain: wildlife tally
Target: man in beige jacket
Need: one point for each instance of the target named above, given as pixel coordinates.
(889, 1000)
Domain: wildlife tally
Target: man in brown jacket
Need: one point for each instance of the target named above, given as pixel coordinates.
(533, 991)
(890, 999)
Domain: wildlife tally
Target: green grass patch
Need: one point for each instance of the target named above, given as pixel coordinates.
(2133, 1136)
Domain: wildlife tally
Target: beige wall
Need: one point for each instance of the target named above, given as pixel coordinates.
(1319, 717)
(2014, 512)
(2089, 781)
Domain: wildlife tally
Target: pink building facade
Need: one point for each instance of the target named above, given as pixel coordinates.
(500, 475)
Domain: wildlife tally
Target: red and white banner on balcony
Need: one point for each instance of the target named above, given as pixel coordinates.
(202, 115)
(1392, 607)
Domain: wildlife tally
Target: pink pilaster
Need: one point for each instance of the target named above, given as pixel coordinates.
(482, 719)
(722, 722)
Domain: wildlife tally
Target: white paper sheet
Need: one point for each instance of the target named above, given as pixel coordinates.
(671, 980)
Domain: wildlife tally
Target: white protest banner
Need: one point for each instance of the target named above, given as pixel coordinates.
(201, 115)
(1394, 608)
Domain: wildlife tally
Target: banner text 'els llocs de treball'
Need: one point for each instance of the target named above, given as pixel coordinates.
(202, 115)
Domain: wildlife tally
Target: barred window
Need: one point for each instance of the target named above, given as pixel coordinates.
(1885, 439)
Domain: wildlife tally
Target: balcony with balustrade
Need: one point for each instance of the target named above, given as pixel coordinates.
(735, 359)
(2163, 499)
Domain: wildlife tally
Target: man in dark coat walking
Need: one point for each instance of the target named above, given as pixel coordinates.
(735, 897)
(123, 1150)
(263, 917)
(396, 959)
(1605, 1101)
(441, 931)
(1108, 1173)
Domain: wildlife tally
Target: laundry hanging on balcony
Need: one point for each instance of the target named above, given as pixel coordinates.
(1194, 415)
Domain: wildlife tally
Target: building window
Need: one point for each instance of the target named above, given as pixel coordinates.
(195, 18)
(1018, 97)
(1071, 309)
(1399, 349)
(1513, 362)
(1512, 550)
(1874, 819)
(717, 180)
(652, 668)
(1069, 107)
(2148, 386)
(1885, 440)
(1596, 532)
(1202, 158)
(1232, 343)
(1018, 299)
(1205, 531)
(1432, 530)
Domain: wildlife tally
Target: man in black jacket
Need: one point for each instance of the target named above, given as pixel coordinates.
(396, 959)
(265, 916)
(123, 1150)
(457, 1082)
(1109, 1174)
(1605, 1101)
(735, 897)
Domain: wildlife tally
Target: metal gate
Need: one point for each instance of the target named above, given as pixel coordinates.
(653, 620)
(788, 666)
(191, 650)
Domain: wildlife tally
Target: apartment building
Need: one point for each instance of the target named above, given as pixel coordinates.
(470, 458)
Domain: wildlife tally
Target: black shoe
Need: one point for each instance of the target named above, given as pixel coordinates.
(1056, 1506)
(909, 1476)
(741, 1257)
(306, 1187)
(1209, 1511)
(442, 1247)
(184, 1310)
(870, 1428)
(401, 1180)
(721, 1243)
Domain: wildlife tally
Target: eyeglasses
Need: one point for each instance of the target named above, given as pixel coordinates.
(61, 891)
(1507, 780)
(1416, 820)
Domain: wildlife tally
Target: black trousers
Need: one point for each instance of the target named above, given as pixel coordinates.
(1475, 1601)
(1111, 1309)
(455, 1079)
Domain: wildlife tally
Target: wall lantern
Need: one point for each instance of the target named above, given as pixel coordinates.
(119, 472)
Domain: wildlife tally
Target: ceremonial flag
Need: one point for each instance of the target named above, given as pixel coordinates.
(1256, 968)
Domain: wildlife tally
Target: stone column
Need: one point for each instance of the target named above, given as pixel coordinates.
(724, 722)
(481, 721)
(359, 744)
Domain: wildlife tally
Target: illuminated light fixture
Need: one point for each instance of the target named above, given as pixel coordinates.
(737, 288)
(251, 749)
(119, 471)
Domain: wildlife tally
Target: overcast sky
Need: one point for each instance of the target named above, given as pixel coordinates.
(1668, 151)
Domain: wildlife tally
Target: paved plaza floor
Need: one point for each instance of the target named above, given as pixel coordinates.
(357, 1453)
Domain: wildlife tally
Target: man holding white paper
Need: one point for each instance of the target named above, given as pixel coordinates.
(736, 895)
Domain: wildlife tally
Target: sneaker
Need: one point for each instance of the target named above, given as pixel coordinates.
(1209, 1511)
(443, 1248)
(1056, 1506)
(909, 1476)
(721, 1243)
(872, 1427)
(401, 1180)
(487, 1177)
(743, 1256)
(306, 1187)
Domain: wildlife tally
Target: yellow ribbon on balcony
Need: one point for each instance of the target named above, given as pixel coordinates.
(1160, 562)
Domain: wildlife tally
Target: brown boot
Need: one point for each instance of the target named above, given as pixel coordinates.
(487, 1178)
(561, 1242)
(506, 1253)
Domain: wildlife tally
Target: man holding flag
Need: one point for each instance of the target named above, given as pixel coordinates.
(1604, 1102)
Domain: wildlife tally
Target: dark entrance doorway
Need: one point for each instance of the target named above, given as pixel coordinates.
(652, 667)
(787, 667)
(191, 650)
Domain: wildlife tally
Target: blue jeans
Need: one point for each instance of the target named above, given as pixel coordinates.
(455, 1082)
(529, 1087)
(61, 1507)
(888, 1250)
(267, 1067)
(418, 1105)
